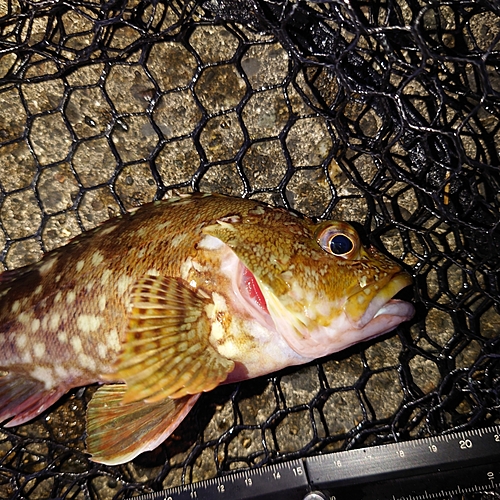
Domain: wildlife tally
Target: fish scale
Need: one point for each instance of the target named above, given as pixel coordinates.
(177, 297)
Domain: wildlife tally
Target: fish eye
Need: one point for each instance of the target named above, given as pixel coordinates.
(338, 238)
(340, 244)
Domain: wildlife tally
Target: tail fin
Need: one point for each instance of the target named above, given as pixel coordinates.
(117, 433)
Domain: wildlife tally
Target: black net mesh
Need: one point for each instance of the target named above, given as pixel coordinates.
(385, 113)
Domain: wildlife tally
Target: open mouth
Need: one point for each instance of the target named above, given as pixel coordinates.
(376, 300)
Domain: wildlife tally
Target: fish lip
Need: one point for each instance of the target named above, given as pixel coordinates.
(382, 302)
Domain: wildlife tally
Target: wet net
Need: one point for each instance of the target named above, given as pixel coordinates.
(385, 113)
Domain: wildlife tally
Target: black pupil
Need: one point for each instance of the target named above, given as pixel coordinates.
(340, 244)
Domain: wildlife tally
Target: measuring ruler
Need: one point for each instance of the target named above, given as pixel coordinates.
(430, 468)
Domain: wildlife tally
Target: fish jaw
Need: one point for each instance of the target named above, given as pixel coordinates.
(353, 322)
(305, 336)
(379, 295)
(318, 341)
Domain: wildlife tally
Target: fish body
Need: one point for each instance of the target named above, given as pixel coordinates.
(177, 297)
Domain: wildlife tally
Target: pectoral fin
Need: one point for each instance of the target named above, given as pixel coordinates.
(167, 352)
(117, 432)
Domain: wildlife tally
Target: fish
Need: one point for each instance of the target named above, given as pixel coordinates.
(170, 300)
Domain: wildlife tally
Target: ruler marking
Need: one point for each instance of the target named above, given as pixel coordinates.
(393, 461)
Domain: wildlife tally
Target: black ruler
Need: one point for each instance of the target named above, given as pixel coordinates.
(437, 467)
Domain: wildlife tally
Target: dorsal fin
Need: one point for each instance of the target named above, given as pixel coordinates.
(14, 274)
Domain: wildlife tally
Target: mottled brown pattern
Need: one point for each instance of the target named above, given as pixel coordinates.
(157, 299)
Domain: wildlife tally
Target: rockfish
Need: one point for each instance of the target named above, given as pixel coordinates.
(177, 297)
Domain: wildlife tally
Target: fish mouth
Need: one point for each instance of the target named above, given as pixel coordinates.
(375, 302)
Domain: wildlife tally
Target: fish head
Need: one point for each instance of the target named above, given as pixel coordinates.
(315, 284)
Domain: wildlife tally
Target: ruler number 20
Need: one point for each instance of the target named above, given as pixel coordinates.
(465, 444)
